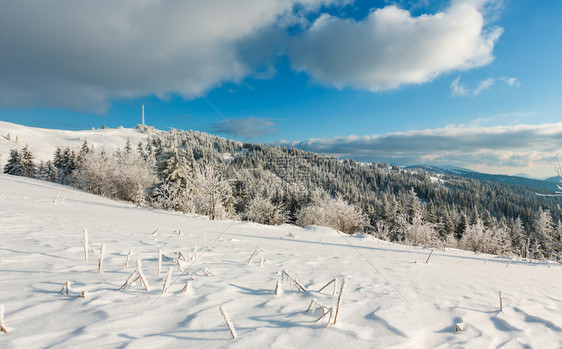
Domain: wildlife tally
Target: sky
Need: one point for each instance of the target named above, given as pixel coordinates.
(468, 83)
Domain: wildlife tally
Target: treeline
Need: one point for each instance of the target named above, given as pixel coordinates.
(194, 172)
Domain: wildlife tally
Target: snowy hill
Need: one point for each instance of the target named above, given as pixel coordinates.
(392, 298)
(43, 142)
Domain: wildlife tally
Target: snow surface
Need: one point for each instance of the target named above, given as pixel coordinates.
(392, 298)
(43, 142)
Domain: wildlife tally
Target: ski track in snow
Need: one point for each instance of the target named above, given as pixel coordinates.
(41, 249)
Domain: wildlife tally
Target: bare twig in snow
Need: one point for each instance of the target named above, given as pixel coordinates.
(334, 281)
(429, 257)
(65, 288)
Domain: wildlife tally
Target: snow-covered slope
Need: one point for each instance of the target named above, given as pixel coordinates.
(43, 142)
(392, 298)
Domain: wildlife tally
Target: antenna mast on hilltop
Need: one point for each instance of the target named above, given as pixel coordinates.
(143, 114)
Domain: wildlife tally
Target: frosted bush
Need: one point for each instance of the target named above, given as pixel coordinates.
(335, 213)
(263, 211)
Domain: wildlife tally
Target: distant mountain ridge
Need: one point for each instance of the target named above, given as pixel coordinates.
(547, 184)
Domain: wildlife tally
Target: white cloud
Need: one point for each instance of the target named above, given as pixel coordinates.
(511, 81)
(484, 85)
(460, 90)
(344, 52)
(480, 147)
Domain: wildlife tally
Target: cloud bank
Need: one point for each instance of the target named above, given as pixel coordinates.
(521, 146)
(82, 55)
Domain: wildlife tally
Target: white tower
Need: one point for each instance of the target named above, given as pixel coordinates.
(143, 114)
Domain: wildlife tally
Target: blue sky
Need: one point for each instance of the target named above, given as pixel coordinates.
(477, 86)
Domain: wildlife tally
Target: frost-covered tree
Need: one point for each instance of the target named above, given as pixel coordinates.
(47, 172)
(336, 213)
(519, 238)
(28, 166)
(212, 192)
(125, 176)
(414, 231)
(263, 211)
(479, 238)
(175, 168)
(543, 235)
(65, 161)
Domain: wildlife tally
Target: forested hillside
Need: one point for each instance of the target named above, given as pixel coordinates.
(196, 172)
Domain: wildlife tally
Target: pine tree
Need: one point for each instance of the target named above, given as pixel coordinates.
(27, 164)
(14, 166)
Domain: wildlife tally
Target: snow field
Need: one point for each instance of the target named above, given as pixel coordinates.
(395, 301)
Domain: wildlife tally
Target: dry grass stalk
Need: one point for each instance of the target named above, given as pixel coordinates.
(294, 280)
(335, 282)
(510, 260)
(65, 288)
(429, 257)
(129, 280)
(278, 289)
(128, 257)
(186, 286)
(159, 261)
(85, 244)
(2, 328)
(458, 328)
(330, 311)
(207, 272)
(154, 232)
(167, 281)
(261, 261)
(228, 323)
(100, 264)
(143, 280)
(179, 265)
(340, 297)
(249, 260)
(501, 301)
(139, 276)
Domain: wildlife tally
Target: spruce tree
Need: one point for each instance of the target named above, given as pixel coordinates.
(13, 166)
